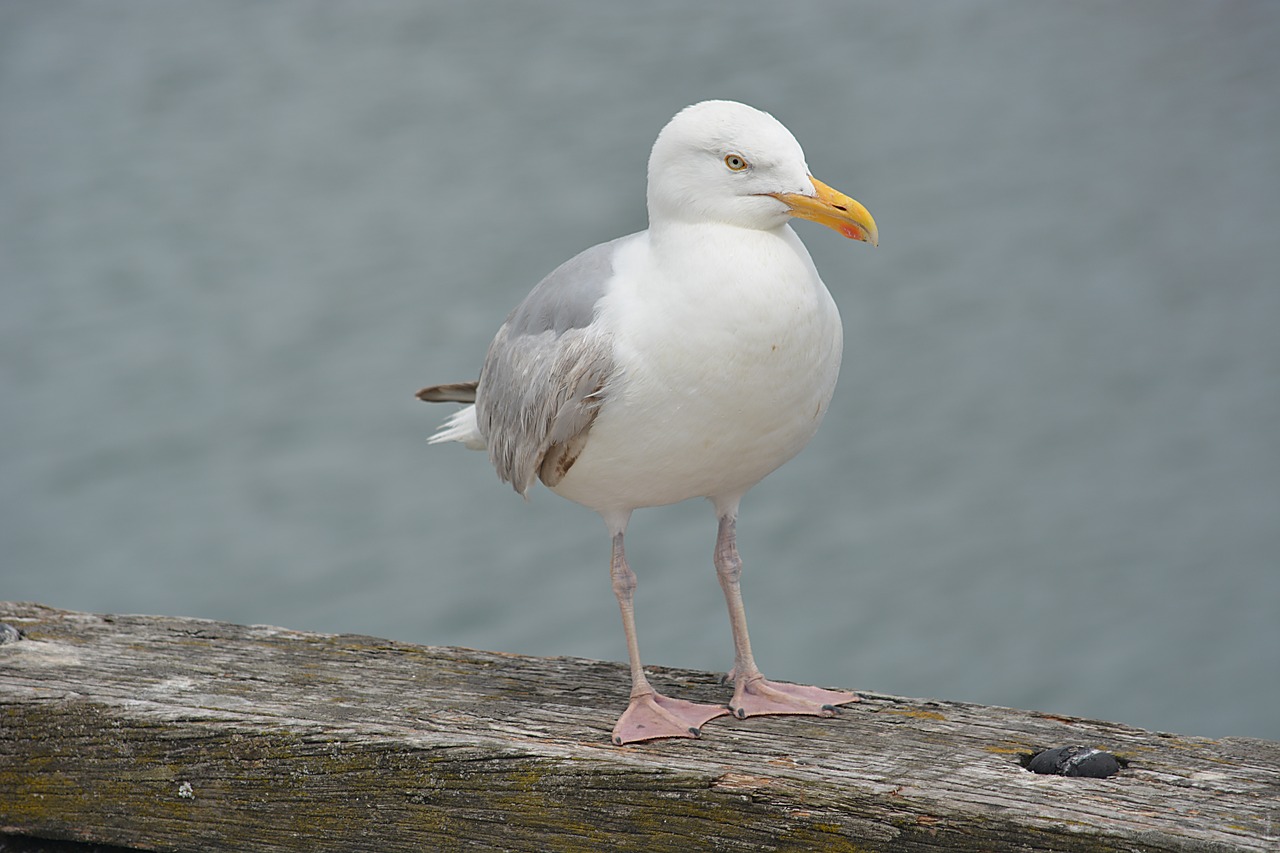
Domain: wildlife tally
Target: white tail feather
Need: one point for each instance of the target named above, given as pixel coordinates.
(461, 426)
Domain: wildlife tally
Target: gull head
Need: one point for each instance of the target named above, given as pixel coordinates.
(721, 161)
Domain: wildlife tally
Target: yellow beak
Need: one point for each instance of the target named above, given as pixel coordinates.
(833, 209)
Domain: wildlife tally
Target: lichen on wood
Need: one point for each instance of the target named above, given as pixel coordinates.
(160, 733)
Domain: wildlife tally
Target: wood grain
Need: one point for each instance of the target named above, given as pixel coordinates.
(159, 733)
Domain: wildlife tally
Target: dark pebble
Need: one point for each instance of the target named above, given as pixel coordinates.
(1075, 761)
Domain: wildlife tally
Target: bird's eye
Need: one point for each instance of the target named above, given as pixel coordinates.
(735, 162)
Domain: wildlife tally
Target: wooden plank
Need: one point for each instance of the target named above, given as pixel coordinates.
(177, 734)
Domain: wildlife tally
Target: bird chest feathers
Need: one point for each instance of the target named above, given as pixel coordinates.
(724, 375)
(758, 334)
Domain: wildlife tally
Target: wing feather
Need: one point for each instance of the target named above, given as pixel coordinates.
(538, 397)
(453, 392)
(548, 372)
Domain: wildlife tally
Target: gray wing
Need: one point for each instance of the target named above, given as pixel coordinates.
(547, 373)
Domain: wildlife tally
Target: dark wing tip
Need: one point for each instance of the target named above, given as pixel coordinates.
(453, 392)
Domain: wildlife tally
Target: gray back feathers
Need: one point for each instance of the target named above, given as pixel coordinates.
(566, 299)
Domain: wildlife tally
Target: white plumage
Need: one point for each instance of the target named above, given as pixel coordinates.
(688, 360)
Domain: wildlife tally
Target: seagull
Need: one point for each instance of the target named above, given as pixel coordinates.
(688, 360)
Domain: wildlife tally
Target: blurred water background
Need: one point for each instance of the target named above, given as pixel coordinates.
(237, 236)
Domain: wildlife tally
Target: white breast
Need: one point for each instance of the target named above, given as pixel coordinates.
(723, 377)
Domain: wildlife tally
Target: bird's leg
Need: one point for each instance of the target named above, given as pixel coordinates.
(753, 694)
(650, 714)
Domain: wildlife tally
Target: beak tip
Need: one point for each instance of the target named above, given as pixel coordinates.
(872, 234)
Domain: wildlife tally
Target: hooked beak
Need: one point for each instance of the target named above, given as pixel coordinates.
(833, 209)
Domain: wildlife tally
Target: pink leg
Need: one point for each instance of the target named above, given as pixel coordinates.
(650, 714)
(753, 694)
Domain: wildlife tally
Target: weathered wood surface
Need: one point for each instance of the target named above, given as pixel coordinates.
(190, 735)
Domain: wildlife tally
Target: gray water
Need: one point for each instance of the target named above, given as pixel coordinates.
(236, 237)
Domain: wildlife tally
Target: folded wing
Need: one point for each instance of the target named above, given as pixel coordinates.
(545, 377)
